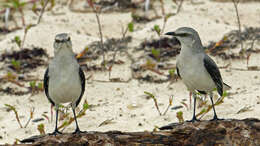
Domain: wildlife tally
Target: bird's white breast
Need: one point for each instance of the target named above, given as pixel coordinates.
(193, 73)
(64, 80)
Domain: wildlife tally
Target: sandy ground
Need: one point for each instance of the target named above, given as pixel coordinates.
(112, 100)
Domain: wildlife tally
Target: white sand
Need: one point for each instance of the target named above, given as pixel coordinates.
(211, 19)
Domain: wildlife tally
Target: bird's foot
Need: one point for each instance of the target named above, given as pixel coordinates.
(77, 131)
(215, 118)
(194, 119)
(56, 132)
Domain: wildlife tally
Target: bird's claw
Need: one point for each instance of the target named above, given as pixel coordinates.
(56, 132)
(215, 118)
(194, 119)
(77, 131)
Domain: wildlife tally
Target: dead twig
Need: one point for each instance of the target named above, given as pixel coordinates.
(169, 105)
(42, 11)
(236, 2)
(90, 2)
(30, 118)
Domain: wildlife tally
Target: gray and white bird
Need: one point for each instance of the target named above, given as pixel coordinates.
(196, 69)
(64, 80)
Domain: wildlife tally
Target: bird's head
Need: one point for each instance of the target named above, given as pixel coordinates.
(62, 42)
(187, 36)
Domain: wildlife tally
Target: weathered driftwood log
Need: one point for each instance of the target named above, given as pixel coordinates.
(225, 132)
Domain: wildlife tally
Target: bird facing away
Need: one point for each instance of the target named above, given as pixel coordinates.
(64, 80)
(196, 69)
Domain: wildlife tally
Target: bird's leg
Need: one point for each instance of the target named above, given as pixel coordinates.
(194, 107)
(75, 118)
(215, 118)
(56, 131)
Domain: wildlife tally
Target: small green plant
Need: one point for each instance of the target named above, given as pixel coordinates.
(130, 26)
(156, 54)
(12, 108)
(16, 64)
(156, 103)
(35, 88)
(172, 73)
(157, 29)
(179, 115)
(18, 41)
(40, 128)
(149, 64)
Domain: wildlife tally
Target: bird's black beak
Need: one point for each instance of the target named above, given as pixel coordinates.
(170, 33)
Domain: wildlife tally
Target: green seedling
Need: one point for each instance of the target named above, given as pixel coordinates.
(10, 76)
(155, 101)
(12, 108)
(18, 41)
(40, 128)
(171, 73)
(35, 88)
(156, 54)
(157, 29)
(33, 84)
(131, 27)
(30, 118)
(179, 115)
(149, 64)
(169, 105)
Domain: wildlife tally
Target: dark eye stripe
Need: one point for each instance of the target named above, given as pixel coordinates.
(182, 34)
(61, 41)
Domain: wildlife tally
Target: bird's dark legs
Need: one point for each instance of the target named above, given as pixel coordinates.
(194, 107)
(56, 131)
(77, 126)
(215, 118)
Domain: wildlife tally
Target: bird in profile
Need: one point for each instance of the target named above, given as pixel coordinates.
(196, 69)
(64, 80)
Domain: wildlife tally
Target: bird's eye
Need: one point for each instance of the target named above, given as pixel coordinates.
(69, 39)
(58, 41)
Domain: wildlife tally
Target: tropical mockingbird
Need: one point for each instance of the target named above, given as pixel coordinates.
(196, 69)
(64, 80)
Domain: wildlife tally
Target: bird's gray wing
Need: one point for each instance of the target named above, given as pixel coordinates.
(213, 70)
(178, 71)
(46, 85)
(82, 80)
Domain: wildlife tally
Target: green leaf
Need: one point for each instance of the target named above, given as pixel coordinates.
(16, 64)
(171, 72)
(40, 128)
(85, 106)
(179, 115)
(157, 29)
(156, 53)
(33, 84)
(40, 85)
(131, 26)
(17, 41)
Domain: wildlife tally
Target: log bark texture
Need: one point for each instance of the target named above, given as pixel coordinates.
(205, 133)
